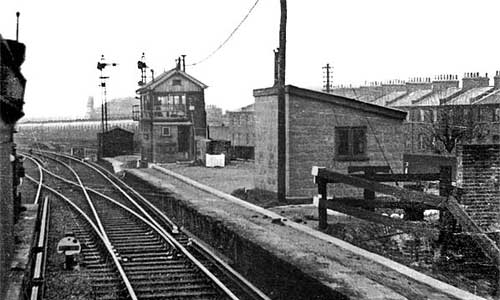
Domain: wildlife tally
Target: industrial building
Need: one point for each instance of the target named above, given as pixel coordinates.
(323, 130)
(171, 116)
(115, 142)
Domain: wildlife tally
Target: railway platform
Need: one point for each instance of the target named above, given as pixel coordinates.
(285, 256)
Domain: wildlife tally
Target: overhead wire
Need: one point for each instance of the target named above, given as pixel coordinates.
(228, 38)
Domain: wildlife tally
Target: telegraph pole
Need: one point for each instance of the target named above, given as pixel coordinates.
(281, 182)
(327, 86)
(17, 26)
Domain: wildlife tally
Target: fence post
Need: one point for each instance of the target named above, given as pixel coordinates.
(322, 207)
(369, 194)
(445, 218)
(444, 191)
(444, 181)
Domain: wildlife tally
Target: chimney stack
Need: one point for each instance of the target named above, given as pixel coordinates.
(496, 80)
(395, 85)
(445, 81)
(178, 63)
(183, 62)
(474, 80)
(418, 83)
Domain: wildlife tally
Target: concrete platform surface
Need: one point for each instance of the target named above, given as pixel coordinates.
(352, 271)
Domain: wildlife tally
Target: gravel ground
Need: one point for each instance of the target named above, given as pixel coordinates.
(61, 283)
(237, 175)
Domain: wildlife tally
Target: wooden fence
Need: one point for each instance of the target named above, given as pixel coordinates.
(370, 182)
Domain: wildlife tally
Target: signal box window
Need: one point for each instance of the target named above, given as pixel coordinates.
(165, 131)
(350, 143)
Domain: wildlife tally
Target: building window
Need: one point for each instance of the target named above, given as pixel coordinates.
(165, 131)
(422, 142)
(350, 143)
(176, 82)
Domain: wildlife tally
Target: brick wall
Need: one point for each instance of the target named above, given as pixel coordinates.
(6, 202)
(479, 176)
(311, 140)
(12, 85)
(219, 133)
(242, 128)
(266, 147)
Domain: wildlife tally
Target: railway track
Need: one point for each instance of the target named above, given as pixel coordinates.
(130, 249)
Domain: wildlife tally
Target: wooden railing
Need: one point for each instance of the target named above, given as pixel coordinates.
(445, 201)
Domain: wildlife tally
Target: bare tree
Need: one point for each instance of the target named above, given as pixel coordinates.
(451, 128)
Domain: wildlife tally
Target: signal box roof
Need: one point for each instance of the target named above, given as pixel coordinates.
(151, 85)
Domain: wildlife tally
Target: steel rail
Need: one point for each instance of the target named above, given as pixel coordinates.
(87, 197)
(165, 234)
(39, 189)
(241, 281)
(108, 246)
(173, 227)
(37, 280)
(147, 222)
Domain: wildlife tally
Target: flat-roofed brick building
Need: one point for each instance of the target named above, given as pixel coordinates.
(323, 130)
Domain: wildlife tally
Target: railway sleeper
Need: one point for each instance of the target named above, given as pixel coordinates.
(152, 276)
(164, 269)
(149, 256)
(176, 288)
(127, 235)
(170, 282)
(192, 295)
(180, 260)
(138, 249)
(122, 233)
(129, 226)
(91, 252)
(125, 227)
(156, 266)
(133, 240)
(164, 263)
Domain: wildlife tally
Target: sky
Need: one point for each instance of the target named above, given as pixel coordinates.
(364, 40)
